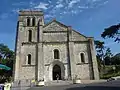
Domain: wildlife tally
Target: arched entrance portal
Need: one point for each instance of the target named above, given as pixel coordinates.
(54, 68)
(56, 72)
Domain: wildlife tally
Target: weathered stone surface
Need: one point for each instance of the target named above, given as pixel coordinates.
(55, 26)
(49, 37)
(76, 36)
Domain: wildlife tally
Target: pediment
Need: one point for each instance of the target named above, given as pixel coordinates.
(76, 36)
(55, 26)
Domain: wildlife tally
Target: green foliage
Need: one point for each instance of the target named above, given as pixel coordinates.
(107, 56)
(109, 72)
(108, 53)
(115, 60)
(107, 76)
(107, 60)
(112, 32)
(103, 53)
(99, 45)
(6, 58)
(6, 55)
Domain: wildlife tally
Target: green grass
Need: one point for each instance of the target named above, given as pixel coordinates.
(107, 76)
(109, 72)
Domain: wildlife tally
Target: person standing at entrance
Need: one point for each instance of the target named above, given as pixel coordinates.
(57, 76)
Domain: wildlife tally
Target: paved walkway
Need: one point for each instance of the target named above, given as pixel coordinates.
(112, 85)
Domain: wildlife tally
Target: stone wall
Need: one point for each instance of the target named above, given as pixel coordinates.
(22, 37)
(52, 36)
(80, 48)
(27, 71)
(54, 26)
(55, 37)
(76, 36)
(81, 69)
(48, 50)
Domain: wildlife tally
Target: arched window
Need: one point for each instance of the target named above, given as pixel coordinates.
(33, 21)
(56, 54)
(82, 57)
(30, 35)
(28, 21)
(29, 59)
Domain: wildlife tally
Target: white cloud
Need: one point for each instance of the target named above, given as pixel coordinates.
(56, 8)
(59, 1)
(102, 3)
(48, 16)
(83, 7)
(59, 6)
(71, 3)
(15, 10)
(4, 15)
(64, 12)
(96, 3)
(67, 1)
(74, 12)
(81, 11)
(32, 4)
(19, 3)
(94, 0)
(105, 2)
(53, 10)
(50, 1)
(42, 6)
(68, 6)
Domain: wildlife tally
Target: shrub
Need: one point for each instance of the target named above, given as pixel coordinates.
(107, 76)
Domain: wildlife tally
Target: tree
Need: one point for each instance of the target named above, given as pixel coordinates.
(99, 63)
(107, 56)
(107, 60)
(99, 45)
(6, 58)
(108, 53)
(115, 60)
(112, 32)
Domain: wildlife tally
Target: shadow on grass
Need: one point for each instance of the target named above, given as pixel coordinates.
(94, 88)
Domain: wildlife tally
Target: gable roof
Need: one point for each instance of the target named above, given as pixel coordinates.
(54, 20)
(63, 25)
(79, 33)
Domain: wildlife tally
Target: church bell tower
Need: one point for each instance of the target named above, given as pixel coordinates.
(29, 34)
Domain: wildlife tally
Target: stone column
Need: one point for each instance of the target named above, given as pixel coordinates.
(16, 67)
(40, 62)
(94, 64)
(72, 62)
(39, 53)
(70, 53)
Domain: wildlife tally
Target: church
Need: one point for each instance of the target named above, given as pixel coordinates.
(45, 51)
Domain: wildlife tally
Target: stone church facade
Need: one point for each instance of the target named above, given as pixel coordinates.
(44, 51)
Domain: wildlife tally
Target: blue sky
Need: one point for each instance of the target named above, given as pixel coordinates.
(89, 17)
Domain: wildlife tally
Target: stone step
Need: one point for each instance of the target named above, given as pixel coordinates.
(57, 83)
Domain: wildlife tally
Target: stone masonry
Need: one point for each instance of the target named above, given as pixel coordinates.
(35, 50)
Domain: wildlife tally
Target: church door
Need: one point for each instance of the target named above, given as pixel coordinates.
(56, 72)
